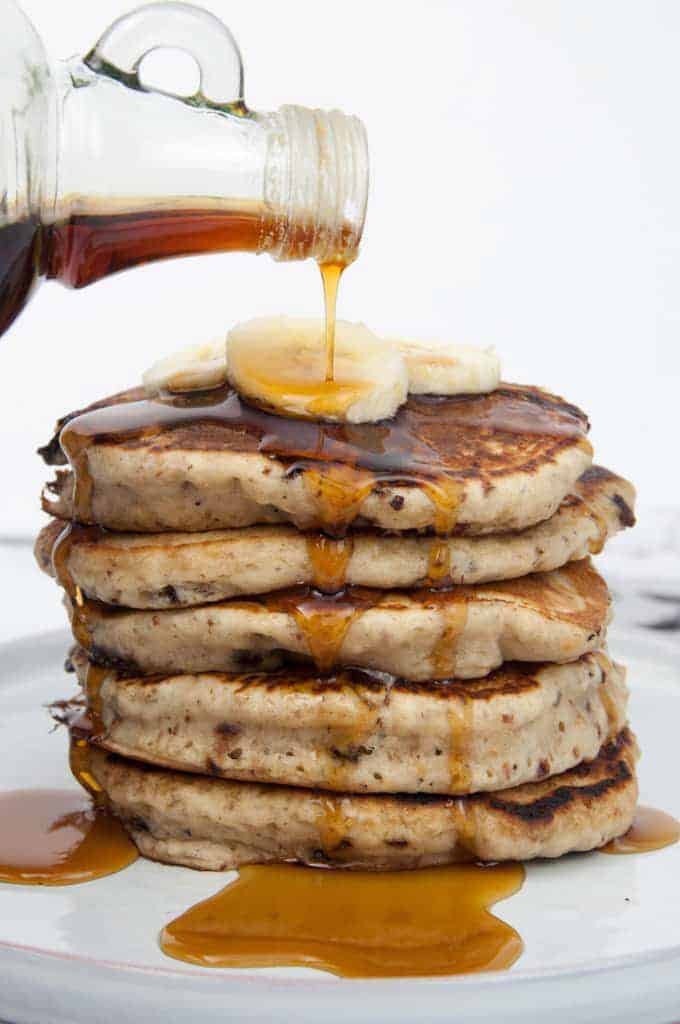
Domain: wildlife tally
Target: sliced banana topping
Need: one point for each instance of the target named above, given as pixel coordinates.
(196, 368)
(280, 363)
(438, 367)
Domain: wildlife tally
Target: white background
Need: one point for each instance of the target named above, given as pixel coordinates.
(525, 172)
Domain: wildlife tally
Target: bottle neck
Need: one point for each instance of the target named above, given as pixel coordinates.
(315, 185)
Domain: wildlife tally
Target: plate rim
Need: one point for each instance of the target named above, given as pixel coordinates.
(641, 645)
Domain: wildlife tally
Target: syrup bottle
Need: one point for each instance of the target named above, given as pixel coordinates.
(99, 171)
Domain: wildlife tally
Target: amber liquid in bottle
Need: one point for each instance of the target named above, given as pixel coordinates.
(87, 247)
(19, 255)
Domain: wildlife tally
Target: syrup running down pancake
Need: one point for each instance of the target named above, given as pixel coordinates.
(471, 463)
(418, 635)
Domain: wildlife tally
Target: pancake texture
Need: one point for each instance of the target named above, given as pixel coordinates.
(472, 464)
(178, 569)
(362, 733)
(417, 635)
(218, 825)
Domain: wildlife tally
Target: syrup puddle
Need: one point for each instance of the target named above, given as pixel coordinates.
(651, 830)
(356, 924)
(58, 837)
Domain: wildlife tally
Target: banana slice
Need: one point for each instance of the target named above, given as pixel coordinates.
(437, 367)
(280, 363)
(196, 368)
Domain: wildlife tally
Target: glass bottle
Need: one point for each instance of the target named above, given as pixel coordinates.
(99, 171)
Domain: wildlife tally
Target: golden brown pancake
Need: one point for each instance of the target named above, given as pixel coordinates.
(217, 825)
(417, 635)
(469, 463)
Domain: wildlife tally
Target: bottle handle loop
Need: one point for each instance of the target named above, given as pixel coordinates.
(121, 49)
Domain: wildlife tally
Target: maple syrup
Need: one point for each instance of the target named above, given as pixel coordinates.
(58, 837)
(439, 562)
(651, 830)
(429, 444)
(329, 558)
(460, 731)
(330, 275)
(596, 544)
(356, 924)
(19, 256)
(71, 534)
(324, 619)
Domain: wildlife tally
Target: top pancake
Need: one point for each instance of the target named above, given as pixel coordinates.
(469, 464)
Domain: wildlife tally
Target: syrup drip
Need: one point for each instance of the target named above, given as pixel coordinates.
(330, 560)
(95, 676)
(60, 556)
(333, 828)
(429, 444)
(445, 495)
(465, 812)
(322, 619)
(338, 492)
(76, 447)
(610, 707)
(596, 544)
(80, 731)
(460, 730)
(606, 696)
(651, 830)
(57, 837)
(61, 553)
(330, 275)
(452, 606)
(358, 924)
(80, 627)
(439, 561)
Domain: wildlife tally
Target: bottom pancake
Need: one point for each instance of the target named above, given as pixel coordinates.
(215, 824)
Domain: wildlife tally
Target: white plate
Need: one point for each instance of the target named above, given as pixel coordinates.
(601, 934)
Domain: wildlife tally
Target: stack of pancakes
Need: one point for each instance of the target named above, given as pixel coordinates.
(376, 646)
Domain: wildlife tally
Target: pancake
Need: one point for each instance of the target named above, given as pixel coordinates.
(469, 464)
(359, 732)
(464, 632)
(218, 825)
(181, 569)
